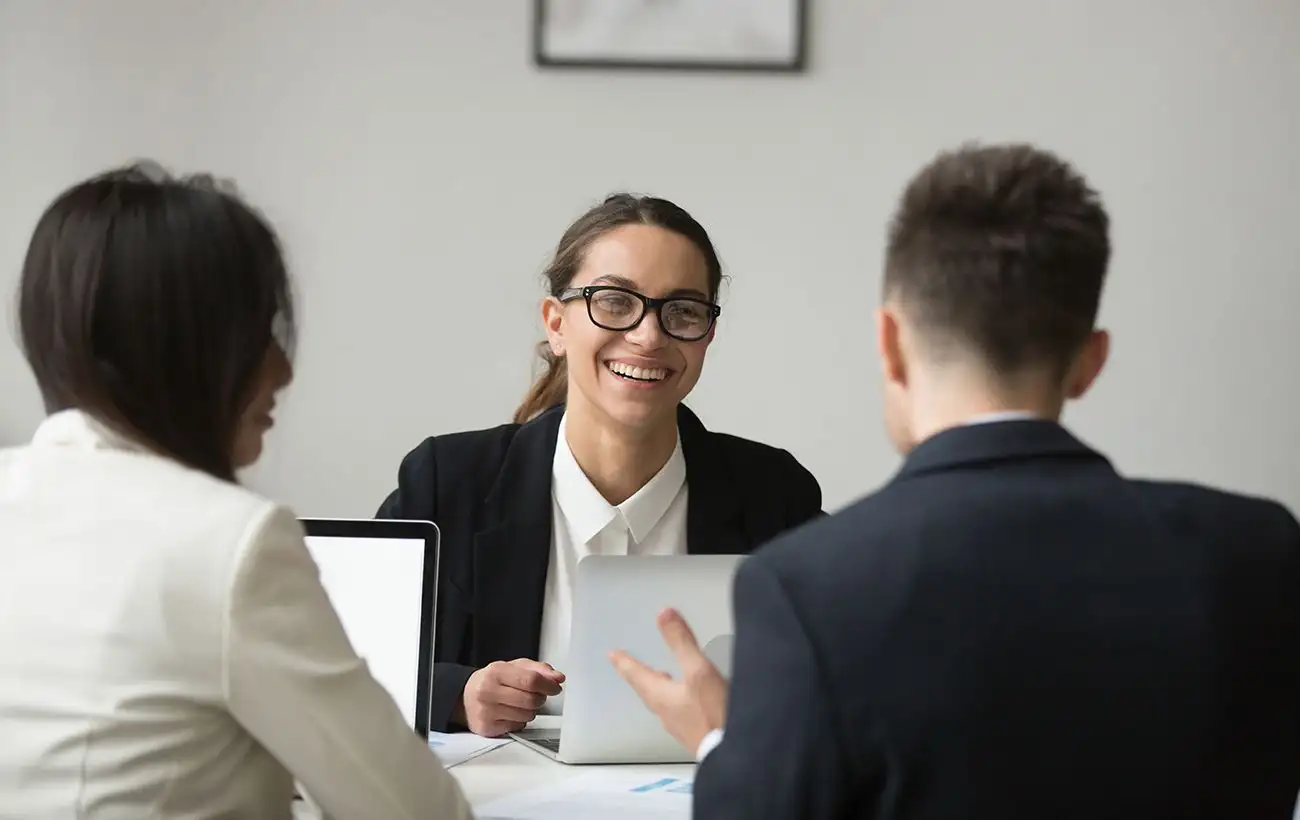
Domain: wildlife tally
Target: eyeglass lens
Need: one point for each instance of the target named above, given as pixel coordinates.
(616, 310)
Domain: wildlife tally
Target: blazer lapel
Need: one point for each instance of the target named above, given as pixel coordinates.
(512, 552)
(714, 524)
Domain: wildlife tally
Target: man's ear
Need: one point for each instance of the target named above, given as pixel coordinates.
(553, 321)
(1088, 364)
(889, 345)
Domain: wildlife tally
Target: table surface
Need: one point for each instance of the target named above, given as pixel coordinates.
(516, 768)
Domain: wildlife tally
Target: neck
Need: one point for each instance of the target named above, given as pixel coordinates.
(617, 460)
(960, 398)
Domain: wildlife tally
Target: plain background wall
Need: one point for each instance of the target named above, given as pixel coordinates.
(421, 169)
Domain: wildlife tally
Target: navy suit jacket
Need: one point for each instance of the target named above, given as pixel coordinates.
(1009, 630)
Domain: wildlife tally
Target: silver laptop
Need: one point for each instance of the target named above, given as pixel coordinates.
(382, 578)
(615, 602)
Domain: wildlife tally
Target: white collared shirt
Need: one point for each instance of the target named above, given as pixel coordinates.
(1001, 415)
(651, 522)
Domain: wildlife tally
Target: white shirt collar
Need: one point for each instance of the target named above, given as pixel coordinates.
(1003, 415)
(586, 510)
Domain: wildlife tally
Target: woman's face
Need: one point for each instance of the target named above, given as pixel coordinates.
(635, 377)
(274, 375)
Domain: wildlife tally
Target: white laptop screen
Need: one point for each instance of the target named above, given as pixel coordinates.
(377, 585)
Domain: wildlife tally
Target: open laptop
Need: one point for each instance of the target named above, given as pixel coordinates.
(615, 602)
(381, 577)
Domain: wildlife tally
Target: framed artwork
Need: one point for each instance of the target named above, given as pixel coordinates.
(698, 35)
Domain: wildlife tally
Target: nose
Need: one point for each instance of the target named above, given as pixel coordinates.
(281, 368)
(648, 334)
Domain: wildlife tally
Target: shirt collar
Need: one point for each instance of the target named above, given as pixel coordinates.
(1003, 415)
(586, 510)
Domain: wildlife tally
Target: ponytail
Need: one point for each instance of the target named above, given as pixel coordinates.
(547, 391)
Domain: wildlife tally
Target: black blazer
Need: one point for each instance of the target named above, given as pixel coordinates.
(489, 492)
(1009, 629)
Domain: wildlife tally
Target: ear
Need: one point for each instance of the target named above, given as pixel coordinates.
(1088, 364)
(890, 347)
(553, 321)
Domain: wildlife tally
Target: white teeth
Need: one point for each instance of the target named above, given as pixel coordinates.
(645, 374)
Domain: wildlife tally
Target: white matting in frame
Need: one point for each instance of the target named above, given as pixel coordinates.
(762, 35)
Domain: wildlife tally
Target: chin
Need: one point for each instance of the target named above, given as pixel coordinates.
(247, 453)
(638, 415)
(637, 405)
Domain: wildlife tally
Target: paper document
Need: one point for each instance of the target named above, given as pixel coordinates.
(458, 747)
(598, 795)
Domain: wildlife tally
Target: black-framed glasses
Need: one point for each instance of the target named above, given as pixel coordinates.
(613, 308)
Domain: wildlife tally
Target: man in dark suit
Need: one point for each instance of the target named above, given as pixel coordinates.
(1009, 628)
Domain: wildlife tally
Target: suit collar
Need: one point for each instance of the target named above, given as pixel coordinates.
(512, 551)
(713, 520)
(77, 428)
(994, 441)
(522, 491)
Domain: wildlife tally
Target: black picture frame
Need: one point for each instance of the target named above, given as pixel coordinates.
(797, 63)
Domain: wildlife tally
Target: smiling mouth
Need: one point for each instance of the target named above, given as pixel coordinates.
(637, 374)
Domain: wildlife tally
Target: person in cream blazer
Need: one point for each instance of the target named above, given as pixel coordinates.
(166, 647)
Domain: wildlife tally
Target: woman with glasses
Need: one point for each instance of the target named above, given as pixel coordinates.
(601, 459)
(166, 647)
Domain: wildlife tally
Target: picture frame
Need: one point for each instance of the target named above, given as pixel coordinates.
(676, 35)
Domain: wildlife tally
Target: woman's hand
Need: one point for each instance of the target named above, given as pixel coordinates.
(504, 696)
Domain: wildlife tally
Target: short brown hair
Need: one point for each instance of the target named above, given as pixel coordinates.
(151, 303)
(1000, 251)
(617, 210)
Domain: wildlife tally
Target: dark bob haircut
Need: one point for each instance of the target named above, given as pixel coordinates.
(151, 302)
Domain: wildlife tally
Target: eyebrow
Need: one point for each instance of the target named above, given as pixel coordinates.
(624, 282)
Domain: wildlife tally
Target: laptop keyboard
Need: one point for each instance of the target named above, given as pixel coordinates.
(551, 744)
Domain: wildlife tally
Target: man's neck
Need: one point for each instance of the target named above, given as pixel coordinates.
(938, 408)
(617, 461)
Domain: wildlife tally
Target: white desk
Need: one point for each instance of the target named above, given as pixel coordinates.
(515, 768)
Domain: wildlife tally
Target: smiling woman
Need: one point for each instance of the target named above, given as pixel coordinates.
(599, 460)
(612, 257)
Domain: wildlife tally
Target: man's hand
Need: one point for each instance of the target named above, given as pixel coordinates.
(689, 708)
(505, 695)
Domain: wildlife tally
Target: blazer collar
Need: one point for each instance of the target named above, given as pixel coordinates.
(522, 492)
(996, 441)
(512, 552)
(79, 429)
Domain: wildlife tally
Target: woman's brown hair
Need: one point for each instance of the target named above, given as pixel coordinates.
(151, 303)
(616, 211)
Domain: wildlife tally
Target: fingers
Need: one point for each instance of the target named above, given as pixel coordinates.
(531, 676)
(509, 696)
(680, 639)
(501, 712)
(501, 727)
(493, 706)
(646, 682)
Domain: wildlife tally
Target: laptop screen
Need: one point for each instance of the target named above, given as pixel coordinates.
(377, 586)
